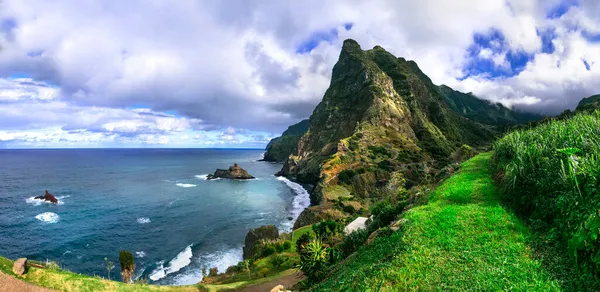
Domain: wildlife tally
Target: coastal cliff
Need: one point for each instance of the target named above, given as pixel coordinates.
(382, 117)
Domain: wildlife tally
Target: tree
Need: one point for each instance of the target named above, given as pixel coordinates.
(109, 266)
(127, 265)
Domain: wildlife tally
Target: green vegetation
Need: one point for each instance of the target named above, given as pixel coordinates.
(127, 265)
(280, 148)
(463, 239)
(483, 111)
(551, 175)
(63, 280)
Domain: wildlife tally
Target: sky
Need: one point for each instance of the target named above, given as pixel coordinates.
(236, 73)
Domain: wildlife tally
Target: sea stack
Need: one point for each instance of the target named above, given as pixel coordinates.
(234, 172)
(48, 197)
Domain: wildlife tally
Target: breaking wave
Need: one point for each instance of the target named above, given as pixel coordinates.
(183, 259)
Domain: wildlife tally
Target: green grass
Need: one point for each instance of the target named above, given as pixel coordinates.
(242, 284)
(298, 232)
(463, 239)
(62, 280)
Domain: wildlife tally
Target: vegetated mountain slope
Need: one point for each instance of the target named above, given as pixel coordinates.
(381, 115)
(281, 147)
(589, 103)
(484, 111)
(462, 240)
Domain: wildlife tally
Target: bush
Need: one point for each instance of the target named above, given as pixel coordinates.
(287, 245)
(551, 175)
(278, 246)
(127, 265)
(267, 251)
(213, 272)
(327, 229)
(302, 241)
(314, 260)
(345, 176)
(352, 242)
(277, 260)
(264, 272)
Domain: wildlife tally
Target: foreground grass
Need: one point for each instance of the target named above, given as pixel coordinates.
(242, 284)
(61, 280)
(463, 239)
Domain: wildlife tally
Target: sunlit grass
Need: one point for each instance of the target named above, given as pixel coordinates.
(463, 239)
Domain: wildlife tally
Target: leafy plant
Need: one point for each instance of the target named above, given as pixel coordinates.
(314, 260)
(302, 241)
(277, 260)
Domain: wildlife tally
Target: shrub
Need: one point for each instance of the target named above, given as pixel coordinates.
(287, 245)
(314, 260)
(345, 176)
(277, 260)
(326, 229)
(352, 242)
(267, 251)
(213, 272)
(302, 241)
(278, 246)
(551, 175)
(263, 272)
(127, 265)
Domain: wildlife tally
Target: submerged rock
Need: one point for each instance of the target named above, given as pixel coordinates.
(234, 172)
(48, 197)
(266, 232)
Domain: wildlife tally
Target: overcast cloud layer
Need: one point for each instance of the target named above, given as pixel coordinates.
(235, 73)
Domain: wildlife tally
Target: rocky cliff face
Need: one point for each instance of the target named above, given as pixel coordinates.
(280, 148)
(381, 117)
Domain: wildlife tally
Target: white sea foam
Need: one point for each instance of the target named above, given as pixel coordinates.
(48, 217)
(140, 254)
(185, 185)
(221, 260)
(143, 220)
(37, 202)
(183, 259)
(202, 176)
(301, 200)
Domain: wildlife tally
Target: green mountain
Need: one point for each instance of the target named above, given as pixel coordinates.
(589, 103)
(483, 111)
(281, 147)
(380, 119)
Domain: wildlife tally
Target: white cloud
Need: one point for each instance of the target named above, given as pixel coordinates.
(220, 64)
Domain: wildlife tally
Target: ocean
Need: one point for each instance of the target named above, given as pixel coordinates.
(155, 203)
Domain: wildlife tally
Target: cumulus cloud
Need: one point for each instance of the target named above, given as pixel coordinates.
(169, 72)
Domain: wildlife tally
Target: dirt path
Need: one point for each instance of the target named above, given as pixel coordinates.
(287, 281)
(12, 284)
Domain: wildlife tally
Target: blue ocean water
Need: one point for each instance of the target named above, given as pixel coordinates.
(155, 203)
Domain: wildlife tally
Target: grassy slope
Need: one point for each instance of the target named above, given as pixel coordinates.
(67, 281)
(461, 240)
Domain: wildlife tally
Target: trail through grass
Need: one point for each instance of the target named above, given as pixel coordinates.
(463, 239)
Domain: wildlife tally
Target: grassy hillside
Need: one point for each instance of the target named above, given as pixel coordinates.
(551, 176)
(62, 280)
(463, 239)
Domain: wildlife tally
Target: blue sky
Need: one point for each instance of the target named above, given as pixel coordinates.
(199, 73)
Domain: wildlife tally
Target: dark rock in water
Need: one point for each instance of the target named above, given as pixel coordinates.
(268, 232)
(20, 266)
(290, 218)
(48, 197)
(234, 172)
